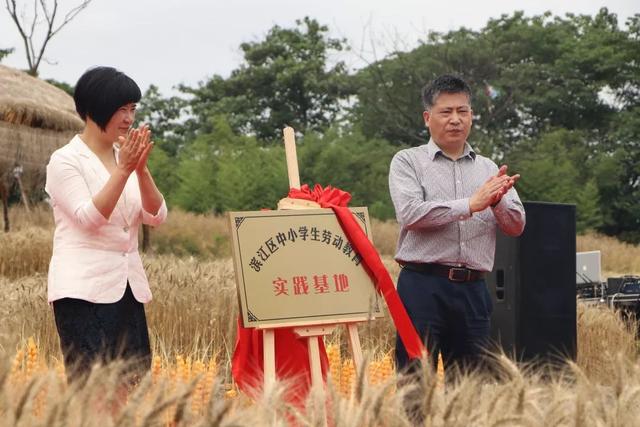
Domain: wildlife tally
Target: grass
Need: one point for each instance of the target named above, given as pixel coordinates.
(190, 393)
(618, 258)
(192, 325)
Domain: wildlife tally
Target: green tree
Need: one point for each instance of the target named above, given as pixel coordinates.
(62, 85)
(579, 73)
(164, 169)
(550, 170)
(389, 101)
(618, 177)
(196, 172)
(549, 72)
(589, 213)
(285, 79)
(164, 116)
(350, 161)
(223, 171)
(556, 98)
(5, 52)
(251, 177)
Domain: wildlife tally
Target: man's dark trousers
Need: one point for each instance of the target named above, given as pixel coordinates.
(452, 317)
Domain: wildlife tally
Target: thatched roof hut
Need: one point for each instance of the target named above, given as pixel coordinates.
(36, 118)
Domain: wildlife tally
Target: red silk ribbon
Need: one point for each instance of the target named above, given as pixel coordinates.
(337, 200)
(292, 363)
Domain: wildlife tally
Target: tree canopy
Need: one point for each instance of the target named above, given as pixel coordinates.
(284, 79)
(556, 98)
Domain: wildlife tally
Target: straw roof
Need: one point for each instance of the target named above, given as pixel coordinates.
(28, 101)
(35, 119)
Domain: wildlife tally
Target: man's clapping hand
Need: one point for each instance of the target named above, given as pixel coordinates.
(492, 191)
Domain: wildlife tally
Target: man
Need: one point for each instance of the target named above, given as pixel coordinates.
(449, 201)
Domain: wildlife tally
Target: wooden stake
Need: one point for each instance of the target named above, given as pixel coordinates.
(4, 194)
(293, 173)
(17, 172)
(292, 158)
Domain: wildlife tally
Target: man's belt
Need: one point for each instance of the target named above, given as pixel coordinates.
(455, 274)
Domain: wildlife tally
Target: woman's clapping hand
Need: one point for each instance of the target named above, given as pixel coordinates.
(135, 149)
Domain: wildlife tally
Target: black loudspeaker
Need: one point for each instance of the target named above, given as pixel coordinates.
(533, 286)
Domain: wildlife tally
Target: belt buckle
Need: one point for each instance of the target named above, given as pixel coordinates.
(459, 274)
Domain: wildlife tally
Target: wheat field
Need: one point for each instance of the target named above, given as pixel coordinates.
(192, 325)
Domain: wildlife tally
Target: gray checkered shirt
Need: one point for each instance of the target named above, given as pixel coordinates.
(431, 195)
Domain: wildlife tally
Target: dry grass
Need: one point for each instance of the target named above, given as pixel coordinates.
(25, 252)
(207, 236)
(385, 236)
(189, 393)
(38, 216)
(618, 258)
(602, 338)
(192, 325)
(186, 233)
(195, 309)
(193, 312)
(26, 249)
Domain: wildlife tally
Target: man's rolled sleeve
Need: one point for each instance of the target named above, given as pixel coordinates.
(510, 214)
(157, 219)
(460, 209)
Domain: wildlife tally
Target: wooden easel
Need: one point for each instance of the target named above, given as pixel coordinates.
(312, 333)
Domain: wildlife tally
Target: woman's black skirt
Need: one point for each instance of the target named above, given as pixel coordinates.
(100, 333)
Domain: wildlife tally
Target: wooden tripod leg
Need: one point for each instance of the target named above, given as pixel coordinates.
(317, 383)
(314, 361)
(313, 334)
(269, 358)
(354, 345)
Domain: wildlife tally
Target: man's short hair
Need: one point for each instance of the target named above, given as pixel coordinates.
(446, 83)
(100, 91)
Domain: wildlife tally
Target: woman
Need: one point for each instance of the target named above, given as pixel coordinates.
(100, 193)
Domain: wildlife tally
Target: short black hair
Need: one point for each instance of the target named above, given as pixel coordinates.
(100, 91)
(446, 83)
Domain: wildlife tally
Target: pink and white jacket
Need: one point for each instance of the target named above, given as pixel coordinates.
(93, 257)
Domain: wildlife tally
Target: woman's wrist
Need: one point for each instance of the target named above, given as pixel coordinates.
(143, 171)
(122, 172)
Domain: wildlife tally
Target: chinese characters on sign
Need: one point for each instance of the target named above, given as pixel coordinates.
(302, 234)
(319, 284)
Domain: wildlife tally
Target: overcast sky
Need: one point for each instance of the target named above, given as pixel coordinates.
(170, 42)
